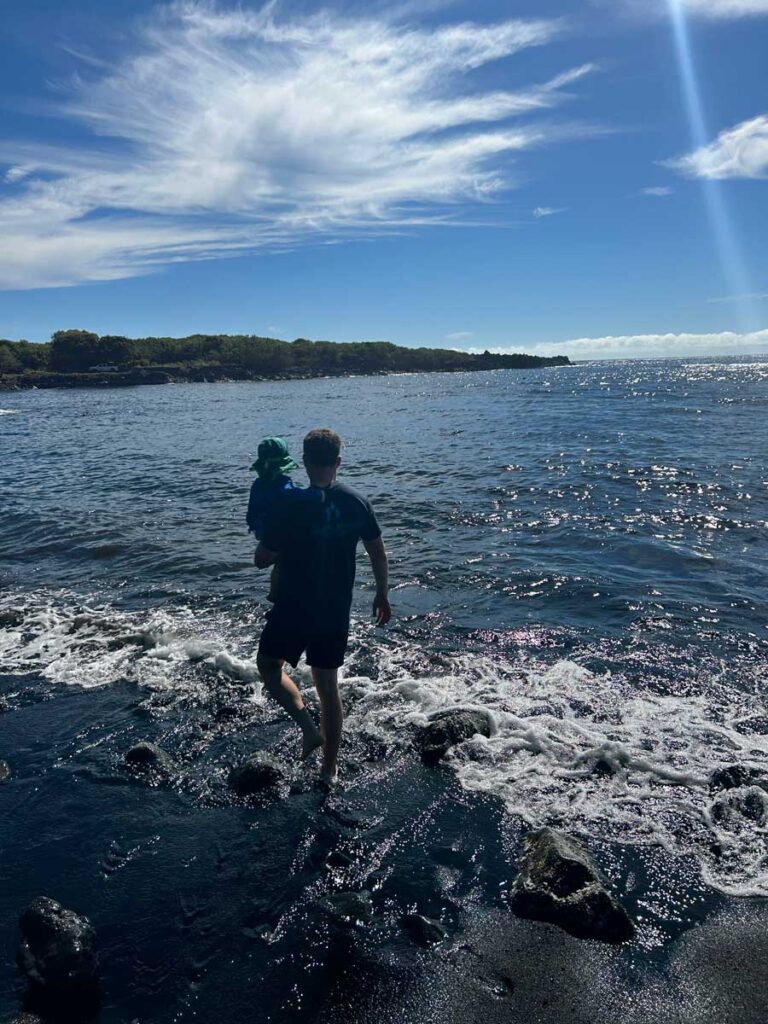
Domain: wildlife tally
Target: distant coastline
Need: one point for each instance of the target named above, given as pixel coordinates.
(75, 359)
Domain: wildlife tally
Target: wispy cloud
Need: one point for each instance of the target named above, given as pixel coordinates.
(657, 190)
(740, 152)
(547, 211)
(230, 130)
(459, 335)
(644, 346)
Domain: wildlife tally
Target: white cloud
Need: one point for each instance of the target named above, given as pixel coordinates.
(459, 335)
(657, 190)
(740, 152)
(646, 346)
(232, 130)
(547, 211)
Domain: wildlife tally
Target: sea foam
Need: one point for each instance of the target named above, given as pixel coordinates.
(595, 753)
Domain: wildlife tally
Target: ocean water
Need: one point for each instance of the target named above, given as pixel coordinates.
(580, 550)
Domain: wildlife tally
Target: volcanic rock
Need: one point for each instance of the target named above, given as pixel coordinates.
(423, 930)
(256, 774)
(148, 757)
(58, 955)
(447, 728)
(561, 884)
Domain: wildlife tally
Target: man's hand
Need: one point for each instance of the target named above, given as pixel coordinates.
(382, 610)
(378, 556)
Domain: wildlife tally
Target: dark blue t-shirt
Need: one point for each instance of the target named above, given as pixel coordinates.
(317, 543)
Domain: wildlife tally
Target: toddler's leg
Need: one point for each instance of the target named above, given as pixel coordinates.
(274, 583)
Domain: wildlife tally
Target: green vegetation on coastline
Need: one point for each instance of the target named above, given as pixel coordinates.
(82, 359)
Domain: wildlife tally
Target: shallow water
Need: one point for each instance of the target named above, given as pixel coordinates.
(580, 550)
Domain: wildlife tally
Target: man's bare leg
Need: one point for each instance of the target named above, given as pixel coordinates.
(282, 688)
(331, 718)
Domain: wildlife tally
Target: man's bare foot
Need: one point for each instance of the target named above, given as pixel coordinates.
(329, 778)
(309, 743)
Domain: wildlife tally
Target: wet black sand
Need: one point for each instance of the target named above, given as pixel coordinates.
(207, 909)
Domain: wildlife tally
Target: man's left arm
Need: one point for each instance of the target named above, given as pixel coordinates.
(377, 553)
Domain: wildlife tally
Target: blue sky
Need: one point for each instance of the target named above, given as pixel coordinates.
(550, 176)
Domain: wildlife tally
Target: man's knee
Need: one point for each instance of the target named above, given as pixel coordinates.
(326, 679)
(270, 669)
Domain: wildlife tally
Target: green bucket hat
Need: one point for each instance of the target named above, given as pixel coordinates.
(273, 458)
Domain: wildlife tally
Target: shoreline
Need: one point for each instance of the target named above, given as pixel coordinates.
(216, 375)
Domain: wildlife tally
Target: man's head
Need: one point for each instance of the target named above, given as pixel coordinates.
(321, 455)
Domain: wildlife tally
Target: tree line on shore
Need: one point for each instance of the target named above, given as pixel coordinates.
(78, 351)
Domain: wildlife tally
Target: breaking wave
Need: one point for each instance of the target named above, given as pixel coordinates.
(591, 752)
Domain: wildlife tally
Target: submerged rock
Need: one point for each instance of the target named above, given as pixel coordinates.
(58, 954)
(5, 771)
(749, 802)
(735, 776)
(148, 757)
(258, 773)
(561, 884)
(447, 728)
(423, 930)
(349, 907)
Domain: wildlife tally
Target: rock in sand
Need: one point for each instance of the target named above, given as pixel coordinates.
(447, 728)
(424, 931)
(258, 773)
(561, 884)
(735, 776)
(58, 955)
(148, 757)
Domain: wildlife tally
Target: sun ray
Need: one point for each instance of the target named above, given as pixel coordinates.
(732, 262)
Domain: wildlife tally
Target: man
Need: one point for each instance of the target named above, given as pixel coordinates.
(316, 543)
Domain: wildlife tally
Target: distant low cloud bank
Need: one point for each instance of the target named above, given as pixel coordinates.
(711, 10)
(645, 346)
(224, 131)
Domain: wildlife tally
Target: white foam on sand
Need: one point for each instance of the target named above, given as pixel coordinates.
(95, 646)
(553, 724)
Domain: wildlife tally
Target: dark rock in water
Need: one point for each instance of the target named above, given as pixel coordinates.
(560, 883)
(258, 773)
(750, 803)
(5, 771)
(453, 855)
(349, 907)
(447, 728)
(423, 930)
(148, 757)
(735, 776)
(58, 955)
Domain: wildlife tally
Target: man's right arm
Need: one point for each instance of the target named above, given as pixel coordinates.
(377, 553)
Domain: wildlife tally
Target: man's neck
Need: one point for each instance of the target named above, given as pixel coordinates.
(322, 477)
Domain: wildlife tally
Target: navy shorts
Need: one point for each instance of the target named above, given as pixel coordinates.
(288, 641)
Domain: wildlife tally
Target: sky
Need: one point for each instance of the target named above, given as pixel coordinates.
(587, 178)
